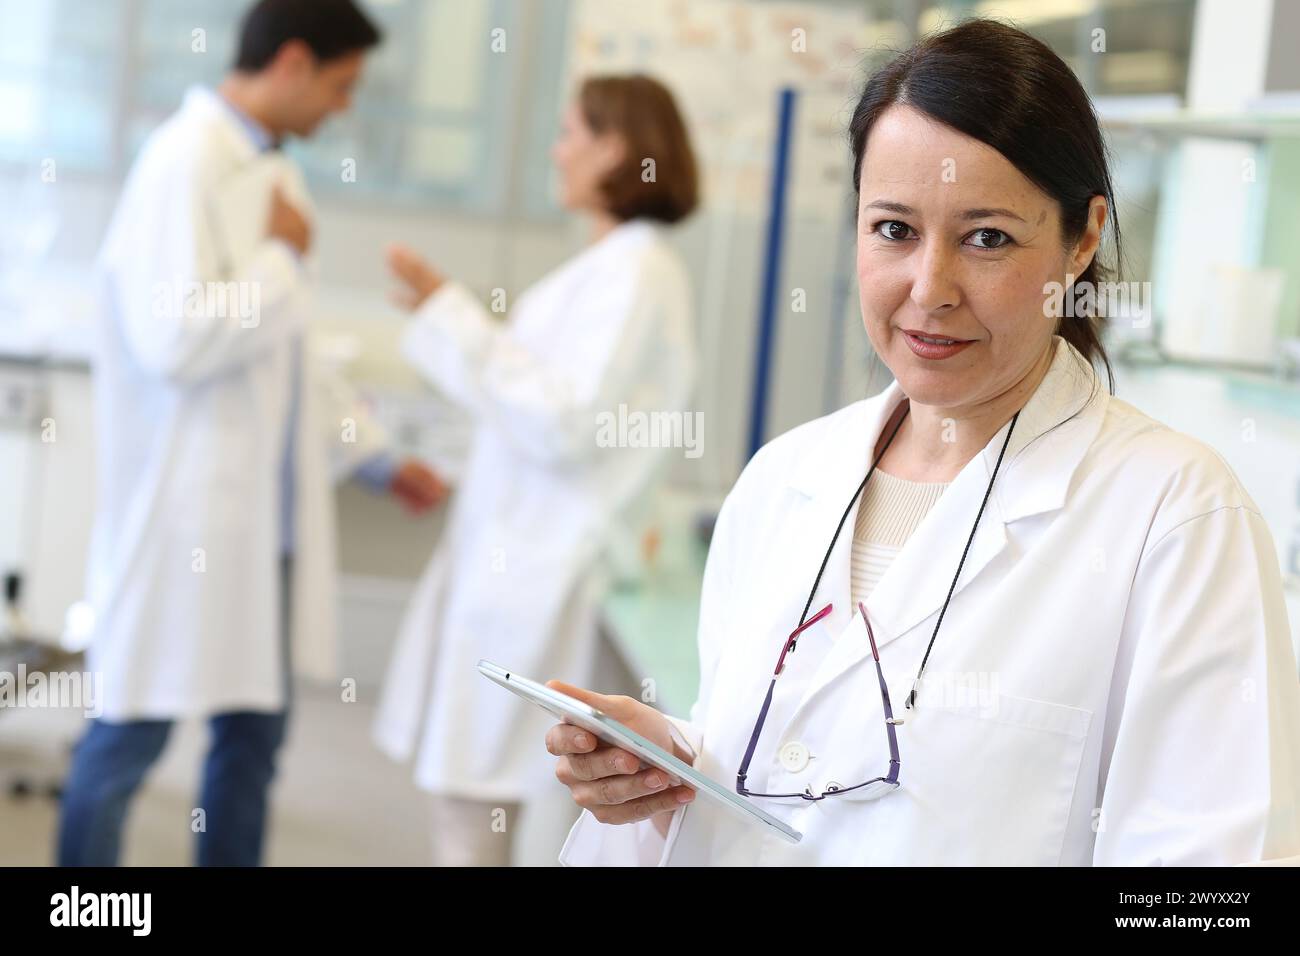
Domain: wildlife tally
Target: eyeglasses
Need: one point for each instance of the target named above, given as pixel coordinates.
(871, 789)
(878, 786)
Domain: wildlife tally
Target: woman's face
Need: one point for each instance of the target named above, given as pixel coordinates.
(955, 242)
(583, 160)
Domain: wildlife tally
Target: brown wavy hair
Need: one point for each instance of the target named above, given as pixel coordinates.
(640, 109)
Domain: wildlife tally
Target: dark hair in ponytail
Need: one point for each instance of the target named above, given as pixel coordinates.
(1002, 87)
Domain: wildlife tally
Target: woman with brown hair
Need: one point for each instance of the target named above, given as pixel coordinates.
(515, 576)
(1015, 621)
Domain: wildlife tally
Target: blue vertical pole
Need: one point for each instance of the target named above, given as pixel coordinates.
(771, 271)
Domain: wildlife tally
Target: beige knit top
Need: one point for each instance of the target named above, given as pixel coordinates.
(890, 510)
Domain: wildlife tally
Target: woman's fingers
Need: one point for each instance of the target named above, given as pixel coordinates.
(564, 739)
(404, 261)
(611, 704)
(605, 762)
(614, 790)
(407, 265)
(404, 299)
(634, 811)
(608, 781)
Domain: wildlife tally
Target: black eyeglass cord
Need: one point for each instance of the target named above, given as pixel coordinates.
(911, 697)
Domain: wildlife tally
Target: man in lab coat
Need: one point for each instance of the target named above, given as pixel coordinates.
(212, 565)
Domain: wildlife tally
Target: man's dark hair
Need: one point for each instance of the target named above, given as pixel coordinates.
(331, 28)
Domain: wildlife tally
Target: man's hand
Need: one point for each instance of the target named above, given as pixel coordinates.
(287, 223)
(419, 279)
(417, 487)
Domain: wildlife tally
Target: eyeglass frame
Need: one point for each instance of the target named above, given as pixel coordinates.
(791, 641)
(895, 764)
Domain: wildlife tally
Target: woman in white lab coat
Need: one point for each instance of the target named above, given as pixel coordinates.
(1083, 644)
(515, 576)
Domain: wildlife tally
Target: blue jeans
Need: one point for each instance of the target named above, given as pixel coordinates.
(112, 759)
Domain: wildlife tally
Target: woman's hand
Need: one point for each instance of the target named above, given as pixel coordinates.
(419, 279)
(609, 781)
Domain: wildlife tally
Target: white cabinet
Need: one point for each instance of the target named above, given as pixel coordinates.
(46, 487)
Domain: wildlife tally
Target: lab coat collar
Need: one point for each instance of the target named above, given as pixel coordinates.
(1070, 385)
(1035, 477)
(208, 104)
(628, 231)
(262, 138)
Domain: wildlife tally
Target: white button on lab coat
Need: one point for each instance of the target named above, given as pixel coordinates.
(192, 416)
(794, 757)
(516, 576)
(1113, 683)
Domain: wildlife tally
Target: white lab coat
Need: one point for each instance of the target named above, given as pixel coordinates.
(193, 408)
(1113, 682)
(515, 577)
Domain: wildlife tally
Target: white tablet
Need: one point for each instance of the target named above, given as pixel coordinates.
(569, 710)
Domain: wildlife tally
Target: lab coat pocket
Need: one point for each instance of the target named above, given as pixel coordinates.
(999, 775)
